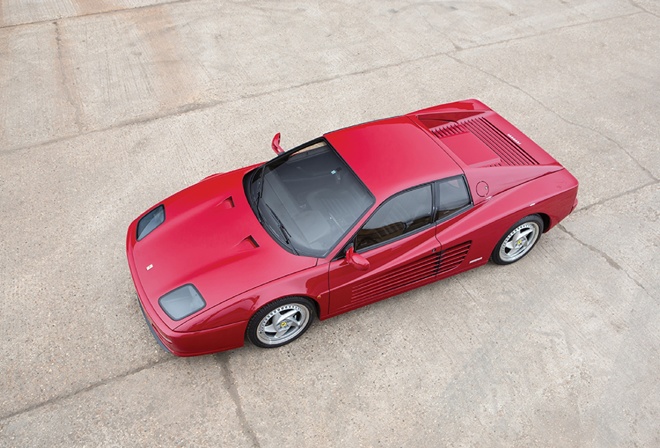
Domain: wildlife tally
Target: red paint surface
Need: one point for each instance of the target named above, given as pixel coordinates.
(212, 239)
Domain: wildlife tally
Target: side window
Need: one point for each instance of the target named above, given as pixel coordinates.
(451, 196)
(399, 215)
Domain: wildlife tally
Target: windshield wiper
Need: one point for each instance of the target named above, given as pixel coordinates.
(285, 233)
(261, 172)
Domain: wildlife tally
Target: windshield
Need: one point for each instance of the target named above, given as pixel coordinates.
(307, 199)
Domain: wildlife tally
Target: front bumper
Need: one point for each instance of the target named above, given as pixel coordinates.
(192, 343)
(151, 328)
(198, 343)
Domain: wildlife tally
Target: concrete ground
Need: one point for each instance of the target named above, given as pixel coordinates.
(108, 106)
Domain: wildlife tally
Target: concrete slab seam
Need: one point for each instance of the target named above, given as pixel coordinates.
(581, 209)
(557, 114)
(92, 14)
(88, 388)
(230, 385)
(637, 5)
(611, 261)
(542, 33)
(196, 106)
(65, 78)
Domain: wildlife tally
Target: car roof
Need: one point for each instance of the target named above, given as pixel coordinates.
(392, 155)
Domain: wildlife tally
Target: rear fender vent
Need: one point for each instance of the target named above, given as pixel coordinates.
(510, 153)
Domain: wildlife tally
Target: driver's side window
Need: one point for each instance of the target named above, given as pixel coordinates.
(399, 215)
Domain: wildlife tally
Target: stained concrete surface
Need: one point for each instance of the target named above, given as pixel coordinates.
(107, 107)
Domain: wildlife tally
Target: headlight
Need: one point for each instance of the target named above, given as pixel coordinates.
(182, 302)
(150, 221)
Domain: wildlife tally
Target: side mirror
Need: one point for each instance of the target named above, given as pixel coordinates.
(275, 144)
(356, 260)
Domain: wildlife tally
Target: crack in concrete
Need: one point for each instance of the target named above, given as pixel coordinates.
(611, 261)
(91, 14)
(191, 107)
(581, 209)
(228, 377)
(557, 114)
(637, 5)
(230, 385)
(195, 106)
(199, 106)
(543, 32)
(88, 388)
(68, 93)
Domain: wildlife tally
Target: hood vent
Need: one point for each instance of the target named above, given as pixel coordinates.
(226, 203)
(248, 243)
(510, 153)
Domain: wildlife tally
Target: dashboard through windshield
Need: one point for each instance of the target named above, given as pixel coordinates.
(308, 198)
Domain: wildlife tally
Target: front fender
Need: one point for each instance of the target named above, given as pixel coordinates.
(311, 283)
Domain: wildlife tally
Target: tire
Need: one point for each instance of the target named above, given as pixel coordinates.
(280, 322)
(518, 241)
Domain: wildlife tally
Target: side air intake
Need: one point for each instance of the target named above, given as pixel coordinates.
(452, 258)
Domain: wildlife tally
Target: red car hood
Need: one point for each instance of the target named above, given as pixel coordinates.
(212, 239)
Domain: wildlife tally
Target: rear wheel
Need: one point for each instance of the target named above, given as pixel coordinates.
(280, 322)
(518, 240)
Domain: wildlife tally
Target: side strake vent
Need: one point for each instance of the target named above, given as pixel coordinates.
(416, 271)
(509, 152)
(421, 270)
(452, 258)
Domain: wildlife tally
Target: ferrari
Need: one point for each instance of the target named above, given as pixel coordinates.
(358, 215)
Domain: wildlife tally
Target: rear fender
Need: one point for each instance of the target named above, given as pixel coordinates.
(553, 195)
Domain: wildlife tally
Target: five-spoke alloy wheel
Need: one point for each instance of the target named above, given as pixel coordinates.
(280, 322)
(518, 240)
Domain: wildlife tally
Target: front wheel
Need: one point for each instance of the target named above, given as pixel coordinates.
(280, 322)
(518, 240)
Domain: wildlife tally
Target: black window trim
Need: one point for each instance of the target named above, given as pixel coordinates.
(466, 207)
(434, 187)
(351, 242)
(282, 158)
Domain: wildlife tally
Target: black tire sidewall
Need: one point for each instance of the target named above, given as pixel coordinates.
(495, 255)
(253, 324)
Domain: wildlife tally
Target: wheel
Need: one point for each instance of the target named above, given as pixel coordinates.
(280, 322)
(518, 240)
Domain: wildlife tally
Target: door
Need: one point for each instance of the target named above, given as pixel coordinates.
(400, 246)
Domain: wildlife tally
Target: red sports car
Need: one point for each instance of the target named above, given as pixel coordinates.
(350, 218)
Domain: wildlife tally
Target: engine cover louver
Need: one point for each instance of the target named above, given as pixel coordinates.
(509, 152)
